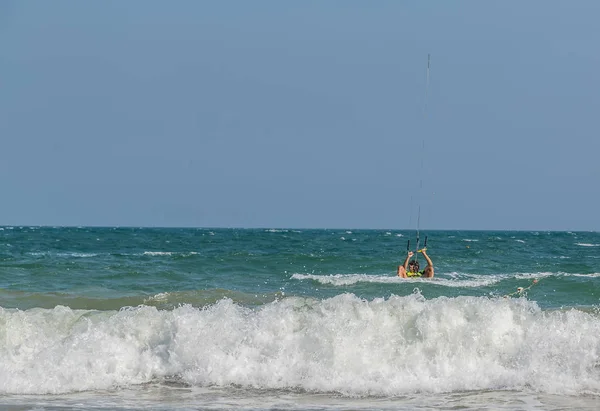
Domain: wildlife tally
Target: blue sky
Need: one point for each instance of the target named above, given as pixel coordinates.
(301, 114)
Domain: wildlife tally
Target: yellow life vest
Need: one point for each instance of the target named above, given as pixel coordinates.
(417, 274)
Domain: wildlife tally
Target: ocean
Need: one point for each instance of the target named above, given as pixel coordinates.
(297, 319)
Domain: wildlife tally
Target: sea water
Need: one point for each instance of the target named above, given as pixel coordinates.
(193, 318)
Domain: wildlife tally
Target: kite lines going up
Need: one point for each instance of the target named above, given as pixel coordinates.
(417, 249)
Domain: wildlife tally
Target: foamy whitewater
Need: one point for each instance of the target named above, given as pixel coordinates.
(130, 319)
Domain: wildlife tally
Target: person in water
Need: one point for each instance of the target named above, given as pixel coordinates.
(411, 269)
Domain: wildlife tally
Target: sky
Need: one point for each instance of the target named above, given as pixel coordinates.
(306, 114)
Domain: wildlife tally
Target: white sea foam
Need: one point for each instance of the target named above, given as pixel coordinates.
(158, 297)
(587, 245)
(532, 276)
(347, 279)
(345, 344)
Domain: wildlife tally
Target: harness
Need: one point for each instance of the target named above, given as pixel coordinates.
(417, 274)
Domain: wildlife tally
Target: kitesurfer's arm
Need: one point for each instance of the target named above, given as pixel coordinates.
(428, 271)
(402, 268)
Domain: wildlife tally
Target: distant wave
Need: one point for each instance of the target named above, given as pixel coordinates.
(167, 253)
(592, 275)
(88, 255)
(63, 254)
(349, 279)
(456, 280)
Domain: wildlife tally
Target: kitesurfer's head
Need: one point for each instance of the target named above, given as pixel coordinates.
(413, 266)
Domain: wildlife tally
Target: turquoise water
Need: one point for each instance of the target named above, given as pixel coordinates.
(186, 318)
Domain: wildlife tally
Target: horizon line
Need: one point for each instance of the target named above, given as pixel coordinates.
(282, 228)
